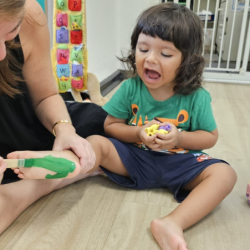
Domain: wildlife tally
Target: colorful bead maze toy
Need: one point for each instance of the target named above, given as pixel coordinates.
(69, 53)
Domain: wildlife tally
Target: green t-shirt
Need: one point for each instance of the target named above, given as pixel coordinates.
(133, 102)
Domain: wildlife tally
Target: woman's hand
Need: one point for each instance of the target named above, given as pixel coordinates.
(3, 166)
(68, 139)
(170, 140)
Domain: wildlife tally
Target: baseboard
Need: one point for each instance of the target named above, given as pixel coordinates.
(111, 82)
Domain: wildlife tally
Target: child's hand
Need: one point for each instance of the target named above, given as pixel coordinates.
(149, 141)
(3, 166)
(170, 140)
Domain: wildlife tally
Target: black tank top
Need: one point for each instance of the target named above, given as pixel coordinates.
(19, 127)
(21, 130)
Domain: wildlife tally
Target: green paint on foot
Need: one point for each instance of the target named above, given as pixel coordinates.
(61, 166)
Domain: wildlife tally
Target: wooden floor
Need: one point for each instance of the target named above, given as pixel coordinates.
(97, 214)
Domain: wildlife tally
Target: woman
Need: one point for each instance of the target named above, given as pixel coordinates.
(31, 110)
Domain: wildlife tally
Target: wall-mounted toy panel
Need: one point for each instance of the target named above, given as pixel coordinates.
(69, 53)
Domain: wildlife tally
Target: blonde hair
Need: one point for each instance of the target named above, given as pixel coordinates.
(9, 10)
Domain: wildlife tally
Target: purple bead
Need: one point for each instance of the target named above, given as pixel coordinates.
(166, 127)
(77, 70)
(62, 36)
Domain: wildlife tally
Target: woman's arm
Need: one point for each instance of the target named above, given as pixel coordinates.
(38, 74)
(37, 70)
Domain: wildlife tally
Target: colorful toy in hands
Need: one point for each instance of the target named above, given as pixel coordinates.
(156, 128)
(248, 192)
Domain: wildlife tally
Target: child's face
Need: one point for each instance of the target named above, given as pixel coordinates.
(156, 63)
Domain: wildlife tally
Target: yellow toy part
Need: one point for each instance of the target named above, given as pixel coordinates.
(162, 131)
(75, 26)
(63, 78)
(153, 129)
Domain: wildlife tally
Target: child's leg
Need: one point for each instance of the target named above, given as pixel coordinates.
(40, 172)
(106, 156)
(208, 190)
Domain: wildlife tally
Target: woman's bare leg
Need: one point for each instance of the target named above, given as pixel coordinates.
(17, 196)
(2, 168)
(208, 190)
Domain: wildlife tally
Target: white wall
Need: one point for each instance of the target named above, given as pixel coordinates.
(101, 37)
(109, 27)
(128, 12)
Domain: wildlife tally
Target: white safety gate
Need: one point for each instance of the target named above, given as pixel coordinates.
(226, 38)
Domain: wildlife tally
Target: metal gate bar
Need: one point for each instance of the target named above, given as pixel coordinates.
(222, 35)
(213, 35)
(247, 52)
(242, 34)
(231, 37)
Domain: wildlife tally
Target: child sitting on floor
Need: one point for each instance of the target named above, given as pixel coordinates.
(166, 59)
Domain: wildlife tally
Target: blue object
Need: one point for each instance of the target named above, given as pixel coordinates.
(151, 169)
(42, 3)
(63, 70)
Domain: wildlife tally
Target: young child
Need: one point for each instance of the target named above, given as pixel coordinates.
(166, 58)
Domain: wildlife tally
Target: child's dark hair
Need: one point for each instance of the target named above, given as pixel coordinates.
(179, 25)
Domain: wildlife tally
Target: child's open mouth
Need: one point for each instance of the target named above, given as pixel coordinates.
(152, 75)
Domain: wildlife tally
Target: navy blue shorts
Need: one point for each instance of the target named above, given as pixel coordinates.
(151, 169)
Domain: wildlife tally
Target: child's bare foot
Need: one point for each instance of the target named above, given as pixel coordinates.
(168, 234)
(3, 166)
(46, 173)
